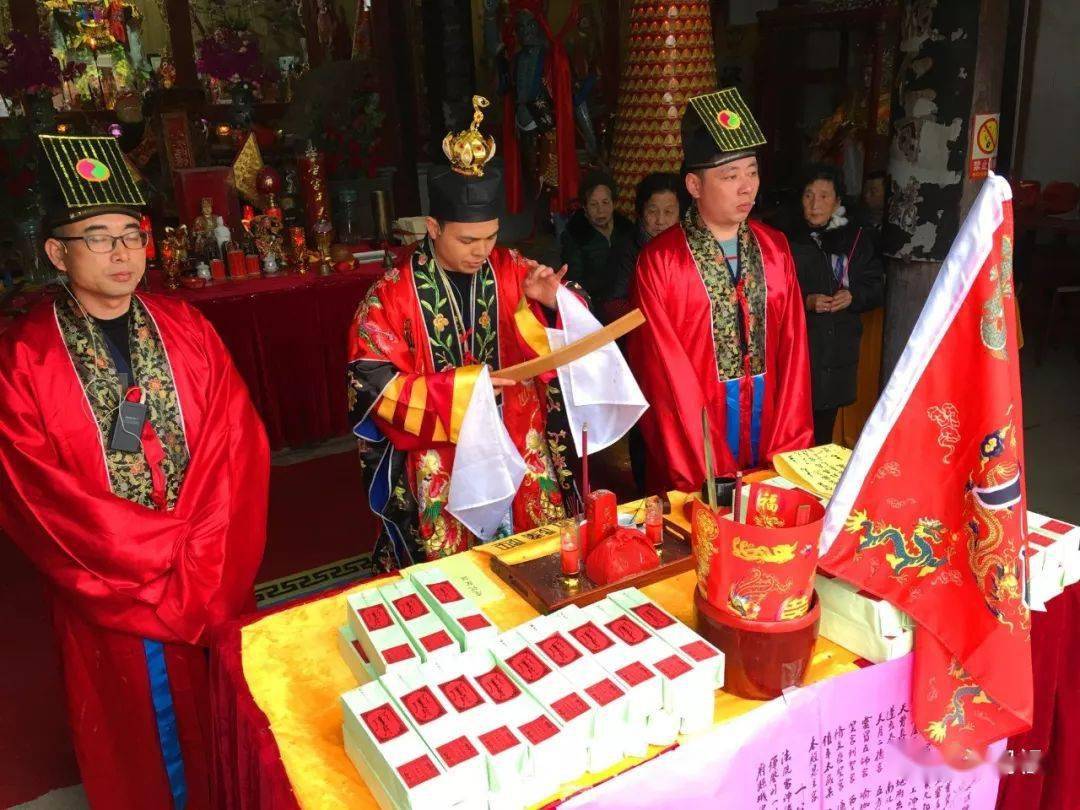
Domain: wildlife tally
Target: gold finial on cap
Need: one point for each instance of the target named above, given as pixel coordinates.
(468, 150)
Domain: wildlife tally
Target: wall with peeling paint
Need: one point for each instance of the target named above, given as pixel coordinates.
(1052, 139)
(931, 120)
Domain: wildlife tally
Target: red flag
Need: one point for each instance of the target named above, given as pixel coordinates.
(930, 512)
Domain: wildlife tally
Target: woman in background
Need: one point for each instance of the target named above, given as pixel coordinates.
(841, 277)
(593, 234)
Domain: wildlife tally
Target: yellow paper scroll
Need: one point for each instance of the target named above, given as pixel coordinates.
(816, 469)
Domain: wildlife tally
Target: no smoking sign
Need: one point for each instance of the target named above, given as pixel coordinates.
(984, 145)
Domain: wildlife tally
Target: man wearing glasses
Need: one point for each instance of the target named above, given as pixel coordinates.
(133, 473)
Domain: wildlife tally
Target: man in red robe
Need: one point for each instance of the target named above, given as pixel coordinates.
(134, 473)
(416, 347)
(725, 330)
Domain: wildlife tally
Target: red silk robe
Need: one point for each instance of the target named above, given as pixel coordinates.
(135, 588)
(759, 406)
(409, 380)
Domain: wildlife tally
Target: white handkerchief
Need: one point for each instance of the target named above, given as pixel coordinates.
(487, 466)
(598, 388)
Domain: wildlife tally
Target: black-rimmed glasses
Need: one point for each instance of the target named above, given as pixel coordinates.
(106, 243)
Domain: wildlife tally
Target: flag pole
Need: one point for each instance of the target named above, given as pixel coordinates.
(710, 482)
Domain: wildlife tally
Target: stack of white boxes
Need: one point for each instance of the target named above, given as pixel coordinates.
(861, 622)
(505, 722)
(1053, 557)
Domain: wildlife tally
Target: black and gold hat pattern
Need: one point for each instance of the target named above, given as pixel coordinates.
(718, 127)
(90, 175)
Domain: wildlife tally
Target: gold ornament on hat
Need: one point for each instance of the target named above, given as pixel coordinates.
(468, 150)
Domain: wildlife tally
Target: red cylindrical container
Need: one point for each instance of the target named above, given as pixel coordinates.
(217, 269)
(251, 265)
(236, 265)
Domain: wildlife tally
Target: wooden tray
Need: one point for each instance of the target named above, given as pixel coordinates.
(541, 583)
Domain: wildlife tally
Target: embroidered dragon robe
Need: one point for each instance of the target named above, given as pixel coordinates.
(734, 346)
(143, 552)
(414, 357)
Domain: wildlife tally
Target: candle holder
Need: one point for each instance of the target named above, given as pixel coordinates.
(324, 234)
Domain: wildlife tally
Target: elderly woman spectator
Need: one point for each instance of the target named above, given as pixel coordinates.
(592, 234)
(660, 201)
(841, 277)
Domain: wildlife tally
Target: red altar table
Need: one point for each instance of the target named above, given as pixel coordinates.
(287, 335)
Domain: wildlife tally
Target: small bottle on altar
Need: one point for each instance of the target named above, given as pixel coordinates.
(654, 520)
(570, 551)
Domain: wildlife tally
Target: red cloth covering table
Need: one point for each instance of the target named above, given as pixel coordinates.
(287, 335)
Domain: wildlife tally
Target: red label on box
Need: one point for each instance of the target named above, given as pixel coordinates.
(457, 751)
(383, 723)
(498, 686)
(418, 771)
(528, 665)
(498, 740)
(444, 591)
(559, 650)
(375, 617)
(591, 637)
(570, 706)
(410, 607)
(653, 616)
(1057, 527)
(635, 673)
(628, 630)
(474, 621)
(461, 694)
(402, 652)
(699, 650)
(436, 640)
(423, 705)
(538, 730)
(360, 651)
(673, 666)
(605, 691)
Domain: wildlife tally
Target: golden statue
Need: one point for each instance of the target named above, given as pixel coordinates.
(468, 150)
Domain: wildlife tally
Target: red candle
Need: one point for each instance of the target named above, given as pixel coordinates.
(570, 550)
(235, 259)
(217, 268)
(251, 264)
(654, 520)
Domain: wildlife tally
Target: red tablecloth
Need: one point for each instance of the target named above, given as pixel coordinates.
(287, 336)
(249, 773)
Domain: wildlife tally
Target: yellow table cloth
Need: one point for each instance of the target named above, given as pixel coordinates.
(296, 675)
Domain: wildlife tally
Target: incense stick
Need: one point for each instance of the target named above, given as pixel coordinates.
(710, 481)
(585, 461)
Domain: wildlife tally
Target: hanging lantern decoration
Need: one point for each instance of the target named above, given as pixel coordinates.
(670, 57)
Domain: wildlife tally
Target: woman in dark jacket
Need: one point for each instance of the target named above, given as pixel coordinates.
(592, 234)
(841, 277)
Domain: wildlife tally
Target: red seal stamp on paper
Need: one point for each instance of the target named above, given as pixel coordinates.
(461, 694)
(627, 630)
(418, 771)
(591, 637)
(559, 650)
(699, 650)
(498, 686)
(384, 723)
(538, 730)
(635, 673)
(673, 666)
(444, 591)
(435, 641)
(605, 691)
(402, 652)
(570, 706)
(653, 616)
(375, 617)
(474, 621)
(423, 705)
(528, 665)
(498, 740)
(410, 607)
(457, 751)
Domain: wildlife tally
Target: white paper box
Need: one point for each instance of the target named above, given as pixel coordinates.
(862, 640)
(384, 641)
(1046, 570)
(647, 722)
(1066, 545)
(529, 721)
(505, 753)
(354, 656)
(441, 729)
(572, 710)
(577, 665)
(426, 631)
(393, 758)
(688, 692)
(465, 621)
(862, 608)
